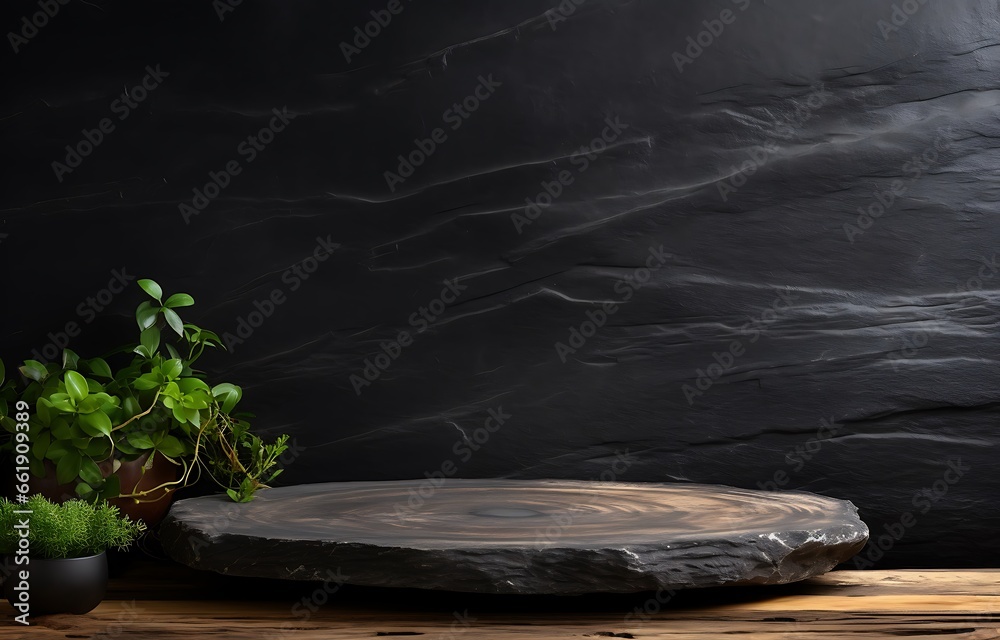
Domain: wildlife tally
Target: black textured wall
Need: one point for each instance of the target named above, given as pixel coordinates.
(745, 242)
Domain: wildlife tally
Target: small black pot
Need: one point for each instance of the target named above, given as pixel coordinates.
(66, 585)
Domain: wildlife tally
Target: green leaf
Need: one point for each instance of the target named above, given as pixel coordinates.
(37, 468)
(146, 382)
(57, 449)
(178, 300)
(76, 385)
(62, 430)
(172, 368)
(34, 370)
(3, 372)
(99, 367)
(90, 472)
(232, 494)
(43, 409)
(68, 467)
(178, 412)
(172, 390)
(89, 404)
(153, 289)
(187, 385)
(140, 440)
(83, 490)
(112, 487)
(124, 376)
(61, 402)
(172, 351)
(170, 446)
(95, 424)
(174, 321)
(70, 360)
(145, 314)
(228, 395)
(98, 449)
(195, 400)
(131, 407)
(246, 490)
(108, 403)
(41, 445)
(123, 447)
(209, 336)
(150, 338)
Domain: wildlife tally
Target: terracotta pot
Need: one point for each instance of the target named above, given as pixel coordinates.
(152, 510)
(153, 507)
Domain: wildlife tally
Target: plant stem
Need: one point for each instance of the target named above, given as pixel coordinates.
(139, 415)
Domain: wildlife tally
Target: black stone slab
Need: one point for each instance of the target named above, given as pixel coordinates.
(505, 536)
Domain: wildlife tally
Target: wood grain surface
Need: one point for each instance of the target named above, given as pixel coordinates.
(164, 600)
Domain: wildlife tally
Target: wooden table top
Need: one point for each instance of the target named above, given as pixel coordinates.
(164, 600)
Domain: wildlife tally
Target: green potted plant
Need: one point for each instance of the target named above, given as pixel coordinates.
(100, 433)
(56, 554)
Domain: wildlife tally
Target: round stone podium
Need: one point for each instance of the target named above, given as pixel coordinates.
(518, 536)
